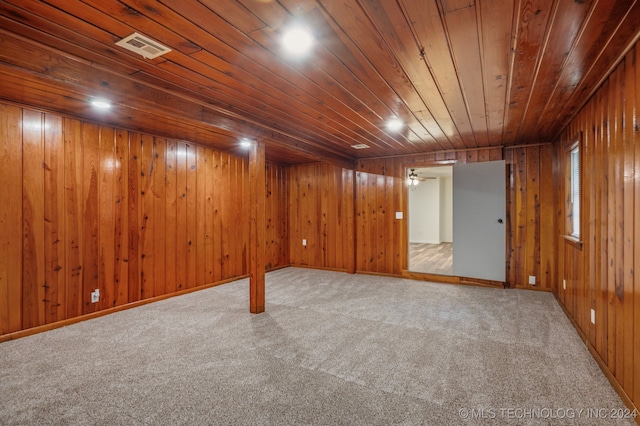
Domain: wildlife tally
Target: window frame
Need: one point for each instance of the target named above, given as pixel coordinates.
(570, 233)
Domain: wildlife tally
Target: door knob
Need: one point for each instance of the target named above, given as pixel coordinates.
(499, 220)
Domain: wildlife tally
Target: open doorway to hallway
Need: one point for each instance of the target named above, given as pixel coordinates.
(431, 221)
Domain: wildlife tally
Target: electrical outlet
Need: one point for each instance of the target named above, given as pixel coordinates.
(564, 284)
(304, 243)
(532, 279)
(593, 316)
(95, 296)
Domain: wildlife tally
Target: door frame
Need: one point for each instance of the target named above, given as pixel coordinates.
(454, 279)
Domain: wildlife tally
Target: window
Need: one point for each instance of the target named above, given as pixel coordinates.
(573, 190)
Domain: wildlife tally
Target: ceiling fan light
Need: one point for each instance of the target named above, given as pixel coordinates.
(412, 180)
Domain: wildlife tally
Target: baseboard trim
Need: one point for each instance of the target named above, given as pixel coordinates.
(85, 317)
(452, 279)
(603, 366)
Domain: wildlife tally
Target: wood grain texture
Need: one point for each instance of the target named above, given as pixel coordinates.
(95, 207)
(600, 274)
(277, 218)
(528, 235)
(257, 227)
(11, 244)
(74, 228)
(321, 207)
(459, 74)
(54, 220)
(33, 261)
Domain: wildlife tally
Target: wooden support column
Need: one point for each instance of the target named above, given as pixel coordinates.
(257, 183)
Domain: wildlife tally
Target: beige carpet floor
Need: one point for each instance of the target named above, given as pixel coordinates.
(332, 348)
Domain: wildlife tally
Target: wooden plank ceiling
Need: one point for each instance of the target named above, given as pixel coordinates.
(459, 73)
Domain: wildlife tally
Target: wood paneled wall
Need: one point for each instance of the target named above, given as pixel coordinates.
(88, 207)
(530, 221)
(601, 273)
(321, 211)
(382, 243)
(277, 217)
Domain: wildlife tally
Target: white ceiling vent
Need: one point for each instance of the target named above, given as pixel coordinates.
(360, 146)
(143, 45)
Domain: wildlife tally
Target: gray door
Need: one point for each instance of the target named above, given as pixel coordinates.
(478, 220)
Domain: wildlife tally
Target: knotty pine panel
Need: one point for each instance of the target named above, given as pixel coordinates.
(321, 211)
(600, 275)
(88, 207)
(11, 244)
(277, 220)
(530, 221)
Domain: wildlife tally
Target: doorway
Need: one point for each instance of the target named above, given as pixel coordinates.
(431, 221)
(456, 220)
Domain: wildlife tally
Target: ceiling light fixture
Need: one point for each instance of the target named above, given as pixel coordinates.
(297, 40)
(101, 103)
(394, 124)
(413, 178)
(245, 143)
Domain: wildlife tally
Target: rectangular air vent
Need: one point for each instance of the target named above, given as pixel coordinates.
(143, 45)
(360, 146)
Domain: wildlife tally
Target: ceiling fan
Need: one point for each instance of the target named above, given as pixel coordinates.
(413, 178)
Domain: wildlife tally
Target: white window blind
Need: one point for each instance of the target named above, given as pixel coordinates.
(575, 191)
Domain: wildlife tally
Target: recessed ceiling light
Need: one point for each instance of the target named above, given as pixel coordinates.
(245, 143)
(394, 124)
(101, 103)
(297, 40)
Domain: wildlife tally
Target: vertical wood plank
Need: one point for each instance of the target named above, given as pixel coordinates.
(182, 239)
(171, 225)
(192, 215)
(219, 194)
(257, 227)
(604, 224)
(121, 219)
(106, 222)
(520, 228)
(613, 169)
(618, 137)
(33, 313)
(532, 242)
(11, 219)
(349, 214)
(209, 227)
(509, 221)
(90, 214)
(147, 218)
(54, 243)
(627, 94)
(201, 197)
(227, 212)
(636, 209)
(159, 207)
(243, 248)
(134, 212)
(74, 219)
